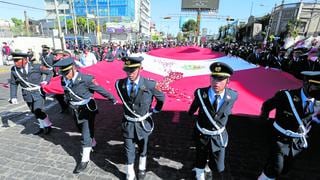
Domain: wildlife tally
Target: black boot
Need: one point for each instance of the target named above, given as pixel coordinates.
(81, 167)
(47, 130)
(40, 131)
(141, 174)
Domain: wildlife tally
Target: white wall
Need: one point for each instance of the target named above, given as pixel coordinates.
(24, 43)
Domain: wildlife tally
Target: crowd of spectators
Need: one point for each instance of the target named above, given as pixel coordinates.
(292, 60)
(271, 55)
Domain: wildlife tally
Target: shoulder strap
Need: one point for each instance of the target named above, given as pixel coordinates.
(74, 94)
(30, 85)
(46, 63)
(206, 111)
(294, 110)
(124, 102)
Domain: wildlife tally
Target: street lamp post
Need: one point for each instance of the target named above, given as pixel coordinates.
(251, 8)
(86, 4)
(197, 40)
(41, 28)
(269, 26)
(167, 18)
(74, 22)
(65, 22)
(98, 25)
(60, 35)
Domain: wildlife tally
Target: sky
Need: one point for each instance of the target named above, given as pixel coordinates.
(237, 9)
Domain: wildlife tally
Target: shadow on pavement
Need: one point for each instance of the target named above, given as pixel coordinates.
(171, 151)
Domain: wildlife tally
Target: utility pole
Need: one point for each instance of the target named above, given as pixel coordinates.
(86, 4)
(65, 22)
(269, 26)
(108, 1)
(74, 22)
(197, 34)
(98, 25)
(60, 35)
(26, 19)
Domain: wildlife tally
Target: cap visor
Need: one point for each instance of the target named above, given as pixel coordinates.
(219, 78)
(129, 69)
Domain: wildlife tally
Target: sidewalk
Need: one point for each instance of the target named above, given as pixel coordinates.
(171, 150)
(5, 69)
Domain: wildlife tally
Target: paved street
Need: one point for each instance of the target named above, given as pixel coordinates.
(171, 151)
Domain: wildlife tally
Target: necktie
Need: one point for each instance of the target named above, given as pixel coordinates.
(132, 90)
(215, 102)
(24, 71)
(306, 109)
(70, 83)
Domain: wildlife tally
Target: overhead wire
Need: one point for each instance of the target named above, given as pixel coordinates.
(15, 4)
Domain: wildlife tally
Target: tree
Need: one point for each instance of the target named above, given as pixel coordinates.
(104, 27)
(17, 22)
(82, 25)
(155, 37)
(228, 39)
(18, 28)
(221, 29)
(292, 28)
(189, 26)
(180, 36)
(92, 25)
(70, 25)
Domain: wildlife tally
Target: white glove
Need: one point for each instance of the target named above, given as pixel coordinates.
(44, 83)
(13, 101)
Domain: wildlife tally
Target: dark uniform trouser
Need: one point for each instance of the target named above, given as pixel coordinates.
(36, 108)
(280, 162)
(62, 103)
(129, 145)
(204, 151)
(86, 127)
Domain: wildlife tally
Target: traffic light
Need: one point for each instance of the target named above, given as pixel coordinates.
(230, 19)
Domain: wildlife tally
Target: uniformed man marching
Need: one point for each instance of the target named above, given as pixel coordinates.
(29, 77)
(137, 94)
(295, 112)
(214, 104)
(46, 58)
(79, 89)
(58, 54)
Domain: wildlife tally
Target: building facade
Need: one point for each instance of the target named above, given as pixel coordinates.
(118, 19)
(5, 28)
(308, 14)
(49, 22)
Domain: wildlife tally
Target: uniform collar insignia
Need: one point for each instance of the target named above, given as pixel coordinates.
(287, 112)
(205, 95)
(296, 98)
(143, 88)
(123, 85)
(228, 97)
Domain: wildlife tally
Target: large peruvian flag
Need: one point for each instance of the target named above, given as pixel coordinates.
(183, 69)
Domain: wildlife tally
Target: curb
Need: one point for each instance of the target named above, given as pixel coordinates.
(5, 69)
